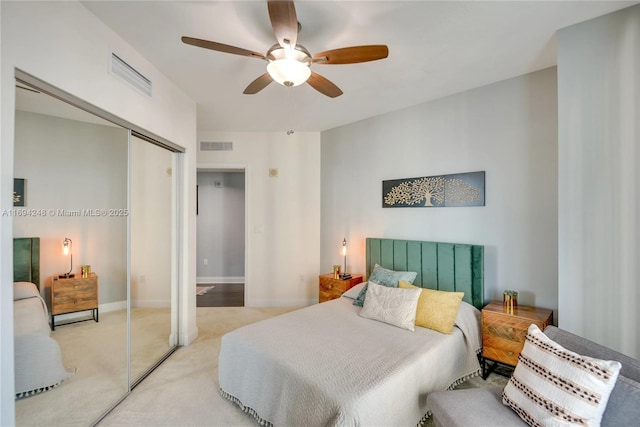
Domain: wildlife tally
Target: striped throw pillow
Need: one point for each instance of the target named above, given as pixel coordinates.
(552, 386)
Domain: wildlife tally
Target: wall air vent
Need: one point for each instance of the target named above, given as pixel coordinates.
(216, 146)
(133, 77)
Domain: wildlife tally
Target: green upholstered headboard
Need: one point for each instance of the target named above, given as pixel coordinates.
(26, 260)
(442, 266)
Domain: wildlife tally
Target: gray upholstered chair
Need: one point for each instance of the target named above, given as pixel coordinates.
(483, 406)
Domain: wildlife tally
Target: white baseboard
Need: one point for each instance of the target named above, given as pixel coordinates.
(150, 303)
(205, 280)
(186, 339)
(112, 306)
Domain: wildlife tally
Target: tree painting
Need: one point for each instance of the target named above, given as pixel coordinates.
(426, 191)
(465, 189)
(461, 193)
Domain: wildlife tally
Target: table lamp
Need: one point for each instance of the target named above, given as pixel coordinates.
(344, 274)
(66, 250)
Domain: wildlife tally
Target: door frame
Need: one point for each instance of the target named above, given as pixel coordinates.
(235, 167)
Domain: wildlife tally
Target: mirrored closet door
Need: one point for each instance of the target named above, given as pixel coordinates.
(153, 278)
(110, 193)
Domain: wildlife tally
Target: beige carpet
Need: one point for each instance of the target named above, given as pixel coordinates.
(183, 391)
(98, 352)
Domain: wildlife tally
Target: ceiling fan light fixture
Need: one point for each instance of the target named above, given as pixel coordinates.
(289, 66)
(289, 72)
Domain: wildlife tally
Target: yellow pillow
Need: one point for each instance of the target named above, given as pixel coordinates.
(436, 310)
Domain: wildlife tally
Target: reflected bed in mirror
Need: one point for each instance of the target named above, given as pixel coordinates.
(37, 357)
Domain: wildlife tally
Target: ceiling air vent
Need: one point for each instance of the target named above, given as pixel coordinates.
(130, 75)
(216, 146)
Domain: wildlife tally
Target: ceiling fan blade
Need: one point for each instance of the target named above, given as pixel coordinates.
(207, 44)
(258, 84)
(352, 55)
(284, 21)
(323, 85)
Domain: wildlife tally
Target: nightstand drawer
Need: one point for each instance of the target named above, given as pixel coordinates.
(502, 354)
(331, 288)
(501, 349)
(329, 295)
(511, 331)
(69, 302)
(64, 288)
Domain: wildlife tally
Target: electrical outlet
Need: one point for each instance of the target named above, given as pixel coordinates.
(301, 278)
(205, 261)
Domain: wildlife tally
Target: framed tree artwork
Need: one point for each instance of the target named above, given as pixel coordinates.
(461, 189)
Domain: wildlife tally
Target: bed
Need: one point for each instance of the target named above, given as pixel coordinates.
(326, 365)
(38, 359)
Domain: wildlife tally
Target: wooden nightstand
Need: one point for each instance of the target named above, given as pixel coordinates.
(503, 333)
(72, 295)
(332, 288)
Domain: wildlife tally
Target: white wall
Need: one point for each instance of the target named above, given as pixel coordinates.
(283, 213)
(599, 183)
(72, 167)
(220, 222)
(65, 45)
(508, 129)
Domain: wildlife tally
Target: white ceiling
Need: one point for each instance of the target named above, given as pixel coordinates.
(435, 49)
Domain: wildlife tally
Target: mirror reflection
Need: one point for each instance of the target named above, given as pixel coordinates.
(94, 254)
(152, 278)
(74, 167)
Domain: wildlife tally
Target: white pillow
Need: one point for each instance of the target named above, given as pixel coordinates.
(394, 306)
(553, 386)
(23, 290)
(355, 291)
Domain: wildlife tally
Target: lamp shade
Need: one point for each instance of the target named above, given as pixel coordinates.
(289, 66)
(344, 274)
(66, 250)
(66, 246)
(289, 72)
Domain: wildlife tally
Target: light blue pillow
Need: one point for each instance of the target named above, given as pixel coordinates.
(385, 277)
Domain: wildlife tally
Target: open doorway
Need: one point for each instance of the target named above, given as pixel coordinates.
(220, 271)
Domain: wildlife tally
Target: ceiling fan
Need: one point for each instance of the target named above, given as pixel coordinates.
(289, 63)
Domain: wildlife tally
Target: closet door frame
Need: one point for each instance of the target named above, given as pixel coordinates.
(177, 241)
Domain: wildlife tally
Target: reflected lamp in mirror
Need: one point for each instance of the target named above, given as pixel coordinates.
(66, 250)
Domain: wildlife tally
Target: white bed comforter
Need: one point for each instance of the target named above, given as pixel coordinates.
(325, 365)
